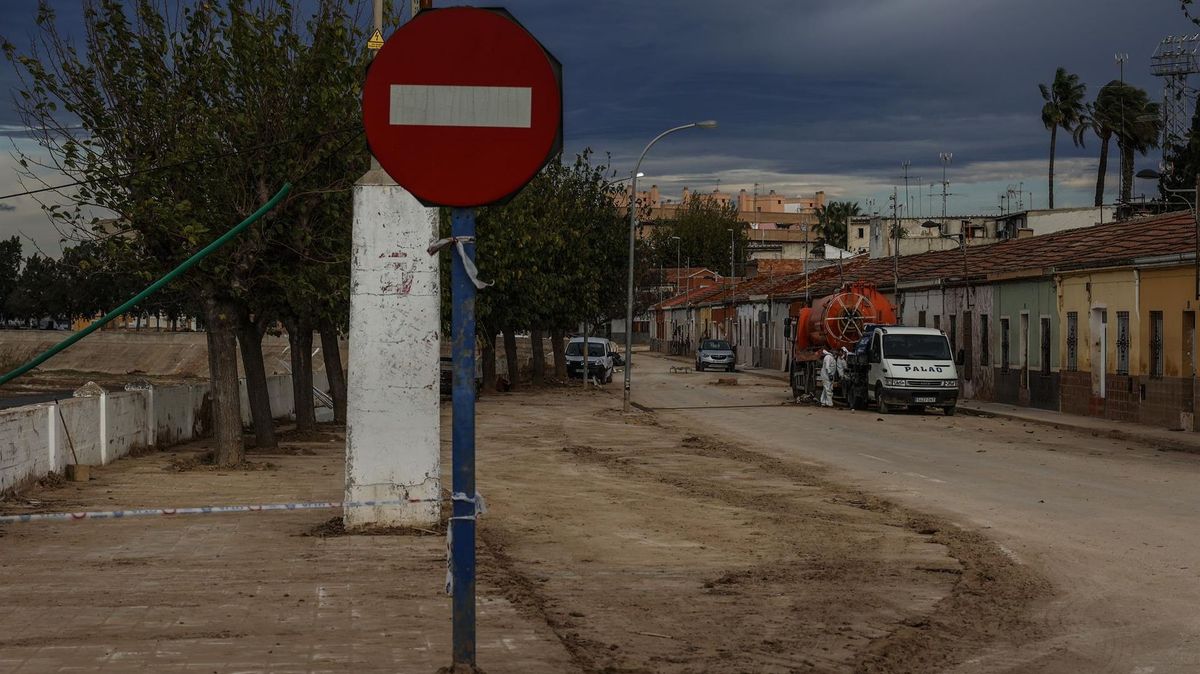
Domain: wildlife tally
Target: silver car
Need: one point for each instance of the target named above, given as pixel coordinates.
(715, 353)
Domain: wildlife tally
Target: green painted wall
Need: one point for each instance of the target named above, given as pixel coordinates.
(1040, 299)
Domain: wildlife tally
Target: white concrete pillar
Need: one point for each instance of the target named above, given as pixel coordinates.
(393, 429)
(103, 428)
(52, 436)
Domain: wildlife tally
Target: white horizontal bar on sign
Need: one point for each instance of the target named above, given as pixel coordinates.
(437, 105)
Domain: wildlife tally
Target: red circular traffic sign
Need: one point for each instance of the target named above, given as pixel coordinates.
(463, 106)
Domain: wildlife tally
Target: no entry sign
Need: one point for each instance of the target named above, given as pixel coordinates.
(462, 106)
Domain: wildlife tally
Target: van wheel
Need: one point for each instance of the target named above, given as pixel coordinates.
(608, 378)
(699, 367)
(884, 408)
(949, 410)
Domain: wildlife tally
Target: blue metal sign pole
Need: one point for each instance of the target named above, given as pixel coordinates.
(462, 524)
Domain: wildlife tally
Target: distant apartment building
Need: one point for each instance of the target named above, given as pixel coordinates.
(767, 211)
(875, 234)
(778, 227)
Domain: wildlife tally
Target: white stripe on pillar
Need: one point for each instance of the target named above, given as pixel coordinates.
(434, 105)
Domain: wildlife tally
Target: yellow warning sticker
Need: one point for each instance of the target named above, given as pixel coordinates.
(376, 41)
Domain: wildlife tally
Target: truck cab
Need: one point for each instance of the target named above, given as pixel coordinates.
(901, 367)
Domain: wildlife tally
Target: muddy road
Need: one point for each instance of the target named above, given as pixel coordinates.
(1110, 523)
(653, 546)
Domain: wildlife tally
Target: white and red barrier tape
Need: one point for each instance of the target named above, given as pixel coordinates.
(202, 510)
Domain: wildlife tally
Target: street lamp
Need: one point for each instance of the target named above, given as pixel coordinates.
(618, 181)
(1151, 174)
(706, 124)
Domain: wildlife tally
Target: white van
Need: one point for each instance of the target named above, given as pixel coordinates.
(602, 358)
(905, 367)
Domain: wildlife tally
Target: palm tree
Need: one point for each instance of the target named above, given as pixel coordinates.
(833, 221)
(1063, 109)
(1137, 130)
(1100, 118)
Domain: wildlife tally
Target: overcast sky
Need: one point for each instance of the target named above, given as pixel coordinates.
(810, 94)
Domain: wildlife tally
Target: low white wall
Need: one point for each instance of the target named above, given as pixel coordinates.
(38, 439)
(279, 388)
(79, 419)
(174, 415)
(127, 423)
(23, 445)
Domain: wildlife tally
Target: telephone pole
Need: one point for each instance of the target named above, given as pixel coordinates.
(895, 243)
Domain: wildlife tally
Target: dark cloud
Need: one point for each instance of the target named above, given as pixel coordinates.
(843, 89)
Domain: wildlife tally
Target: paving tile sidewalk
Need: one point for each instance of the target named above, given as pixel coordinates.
(235, 593)
(1158, 437)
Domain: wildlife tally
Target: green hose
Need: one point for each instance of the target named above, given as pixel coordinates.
(154, 287)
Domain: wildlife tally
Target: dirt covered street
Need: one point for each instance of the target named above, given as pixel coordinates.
(612, 544)
(651, 547)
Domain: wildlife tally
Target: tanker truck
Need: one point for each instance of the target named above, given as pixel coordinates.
(894, 366)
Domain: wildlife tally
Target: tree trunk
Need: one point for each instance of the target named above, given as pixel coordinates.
(333, 370)
(538, 371)
(251, 338)
(510, 358)
(221, 317)
(489, 361)
(1102, 171)
(1053, 144)
(300, 339)
(557, 347)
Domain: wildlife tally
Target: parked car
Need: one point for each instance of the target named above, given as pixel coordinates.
(715, 353)
(602, 358)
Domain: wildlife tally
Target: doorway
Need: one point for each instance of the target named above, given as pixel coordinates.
(1099, 329)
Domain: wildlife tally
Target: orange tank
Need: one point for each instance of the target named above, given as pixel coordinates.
(837, 320)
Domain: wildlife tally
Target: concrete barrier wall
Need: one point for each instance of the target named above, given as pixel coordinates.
(279, 388)
(38, 439)
(174, 415)
(24, 448)
(127, 422)
(80, 423)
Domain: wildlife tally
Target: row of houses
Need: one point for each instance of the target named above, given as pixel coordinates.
(1098, 321)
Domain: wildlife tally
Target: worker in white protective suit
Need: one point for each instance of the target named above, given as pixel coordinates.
(842, 355)
(828, 371)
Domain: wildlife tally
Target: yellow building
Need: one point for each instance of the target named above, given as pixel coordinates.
(1168, 329)
(1137, 326)
(1100, 356)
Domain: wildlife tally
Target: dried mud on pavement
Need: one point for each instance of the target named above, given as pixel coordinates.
(613, 543)
(651, 548)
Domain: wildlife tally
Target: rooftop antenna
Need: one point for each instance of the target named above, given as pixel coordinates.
(946, 158)
(1121, 58)
(907, 199)
(1174, 61)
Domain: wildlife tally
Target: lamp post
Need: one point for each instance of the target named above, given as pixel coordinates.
(678, 271)
(707, 124)
(732, 276)
(1151, 174)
